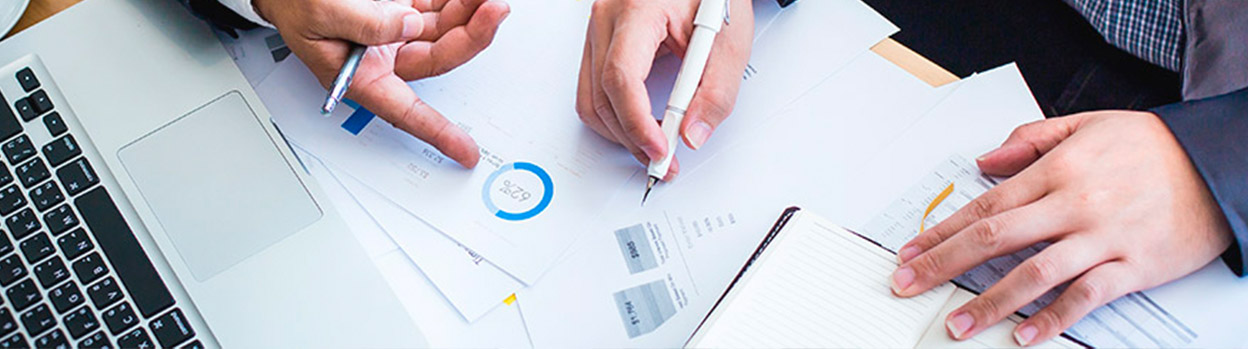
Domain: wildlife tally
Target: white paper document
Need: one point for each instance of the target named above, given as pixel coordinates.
(441, 324)
(468, 281)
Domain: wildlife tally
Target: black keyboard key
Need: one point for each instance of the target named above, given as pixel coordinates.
(53, 340)
(172, 328)
(65, 297)
(95, 341)
(61, 150)
(137, 339)
(81, 322)
(22, 224)
(104, 293)
(40, 101)
(90, 268)
(195, 344)
(45, 195)
(51, 272)
(23, 295)
(120, 318)
(16, 341)
(8, 324)
(56, 125)
(8, 122)
(32, 172)
(11, 199)
(27, 79)
(60, 219)
(77, 176)
(36, 248)
(5, 245)
(38, 320)
(114, 236)
(74, 244)
(5, 175)
(19, 149)
(11, 269)
(25, 108)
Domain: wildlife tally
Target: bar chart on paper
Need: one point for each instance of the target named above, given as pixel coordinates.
(1131, 321)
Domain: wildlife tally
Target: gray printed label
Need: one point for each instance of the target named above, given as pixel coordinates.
(644, 308)
(638, 254)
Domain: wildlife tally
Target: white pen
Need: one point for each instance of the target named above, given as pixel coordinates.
(711, 16)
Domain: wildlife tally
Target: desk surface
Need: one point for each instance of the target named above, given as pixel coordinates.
(889, 49)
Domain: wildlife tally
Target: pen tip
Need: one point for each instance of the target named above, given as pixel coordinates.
(649, 185)
(328, 107)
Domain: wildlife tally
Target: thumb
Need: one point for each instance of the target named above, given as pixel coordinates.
(371, 23)
(717, 94)
(1027, 144)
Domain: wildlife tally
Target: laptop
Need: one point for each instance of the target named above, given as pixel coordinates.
(147, 200)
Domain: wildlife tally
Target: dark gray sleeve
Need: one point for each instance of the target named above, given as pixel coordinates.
(1215, 57)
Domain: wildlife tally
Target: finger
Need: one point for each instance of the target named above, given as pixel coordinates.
(717, 94)
(1056, 264)
(1026, 144)
(1014, 192)
(985, 239)
(422, 59)
(429, 5)
(1098, 286)
(451, 14)
(601, 27)
(368, 22)
(633, 43)
(585, 95)
(393, 100)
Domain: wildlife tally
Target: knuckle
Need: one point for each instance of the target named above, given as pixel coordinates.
(987, 233)
(1049, 318)
(984, 206)
(986, 308)
(599, 9)
(718, 102)
(1088, 292)
(1041, 270)
(603, 109)
(927, 264)
(614, 75)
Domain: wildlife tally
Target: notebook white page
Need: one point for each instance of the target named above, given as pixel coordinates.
(819, 285)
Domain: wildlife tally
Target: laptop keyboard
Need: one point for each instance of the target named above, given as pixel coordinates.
(72, 272)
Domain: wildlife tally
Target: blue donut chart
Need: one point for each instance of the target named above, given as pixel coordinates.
(548, 191)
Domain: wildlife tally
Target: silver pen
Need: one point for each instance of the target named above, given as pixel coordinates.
(343, 80)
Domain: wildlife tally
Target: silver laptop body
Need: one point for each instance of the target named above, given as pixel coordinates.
(148, 201)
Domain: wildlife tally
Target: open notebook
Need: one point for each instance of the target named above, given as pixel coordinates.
(814, 284)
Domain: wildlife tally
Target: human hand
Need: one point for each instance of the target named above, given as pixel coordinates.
(623, 39)
(408, 40)
(1115, 194)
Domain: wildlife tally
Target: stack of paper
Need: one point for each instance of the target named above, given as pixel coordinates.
(549, 222)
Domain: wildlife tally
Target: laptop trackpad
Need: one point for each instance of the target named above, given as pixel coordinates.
(218, 185)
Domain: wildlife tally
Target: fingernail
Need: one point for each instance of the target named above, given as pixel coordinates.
(959, 324)
(1025, 335)
(902, 278)
(412, 25)
(908, 253)
(988, 155)
(697, 133)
